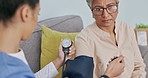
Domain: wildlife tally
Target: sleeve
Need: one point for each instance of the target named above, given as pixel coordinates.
(12, 67)
(49, 71)
(84, 45)
(139, 66)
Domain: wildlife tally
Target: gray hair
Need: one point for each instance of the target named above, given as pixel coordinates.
(89, 2)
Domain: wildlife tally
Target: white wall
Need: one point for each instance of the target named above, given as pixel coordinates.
(131, 11)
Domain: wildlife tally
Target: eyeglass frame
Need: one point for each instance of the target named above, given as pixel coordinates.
(106, 9)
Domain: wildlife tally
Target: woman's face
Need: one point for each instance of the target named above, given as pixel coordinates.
(105, 12)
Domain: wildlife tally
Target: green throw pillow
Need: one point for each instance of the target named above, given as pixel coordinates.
(49, 45)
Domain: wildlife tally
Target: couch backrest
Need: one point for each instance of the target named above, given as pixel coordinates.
(144, 53)
(32, 47)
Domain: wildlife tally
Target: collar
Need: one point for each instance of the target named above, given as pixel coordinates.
(20, 55)
(104, 34)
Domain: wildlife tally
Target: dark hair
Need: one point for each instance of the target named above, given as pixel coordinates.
(9, 7)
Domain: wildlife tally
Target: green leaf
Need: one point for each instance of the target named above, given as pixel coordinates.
(141, 26)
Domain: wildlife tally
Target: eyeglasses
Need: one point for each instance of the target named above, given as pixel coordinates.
(110, 9)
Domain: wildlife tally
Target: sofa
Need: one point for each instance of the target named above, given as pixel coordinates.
(68, 23)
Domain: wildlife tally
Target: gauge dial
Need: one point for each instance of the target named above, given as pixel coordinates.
(66, 42)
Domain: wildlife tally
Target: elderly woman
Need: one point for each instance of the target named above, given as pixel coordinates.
(107, 38)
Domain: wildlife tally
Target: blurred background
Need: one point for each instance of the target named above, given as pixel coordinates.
(131, 11)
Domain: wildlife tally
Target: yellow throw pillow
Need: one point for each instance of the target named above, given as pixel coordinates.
(49, 45)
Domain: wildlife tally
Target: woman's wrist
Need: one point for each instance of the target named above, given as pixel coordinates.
(58, 63)
(104, 76)
(108, 74)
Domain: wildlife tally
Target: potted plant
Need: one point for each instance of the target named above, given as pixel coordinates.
(141, 32)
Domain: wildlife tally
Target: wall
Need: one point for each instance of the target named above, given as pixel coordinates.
(131, 11)
(54, 8)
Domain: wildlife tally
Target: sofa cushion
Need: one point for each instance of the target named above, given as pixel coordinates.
(49, 45)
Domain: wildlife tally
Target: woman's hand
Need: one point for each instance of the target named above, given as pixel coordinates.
(59, 60)
(116, 67)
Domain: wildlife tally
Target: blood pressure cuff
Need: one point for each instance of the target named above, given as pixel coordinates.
(80, 67)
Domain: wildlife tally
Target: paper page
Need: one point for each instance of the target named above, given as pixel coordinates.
(142, 38)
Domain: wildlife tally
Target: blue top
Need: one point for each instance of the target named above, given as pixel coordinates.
(11, 67)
